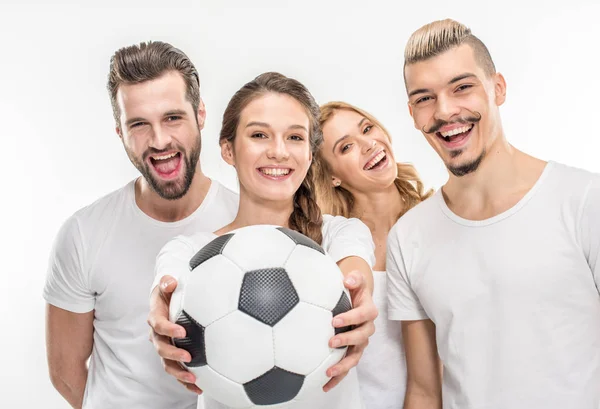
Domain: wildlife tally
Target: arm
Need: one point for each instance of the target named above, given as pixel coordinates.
(424, 381)
(69, 341)
(589, 228)
(171, 261)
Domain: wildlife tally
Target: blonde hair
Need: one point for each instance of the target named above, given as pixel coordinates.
(440, 36)
(340, 202)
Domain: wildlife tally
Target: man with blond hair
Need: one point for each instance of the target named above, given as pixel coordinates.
(498, 273)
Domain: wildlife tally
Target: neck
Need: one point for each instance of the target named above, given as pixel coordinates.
(253, 211)
(379, 210)
(166, 210)
(504, 176)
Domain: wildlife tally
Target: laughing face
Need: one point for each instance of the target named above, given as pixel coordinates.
(455, 104)
(271, 150)
(358, 152)
(161, 133)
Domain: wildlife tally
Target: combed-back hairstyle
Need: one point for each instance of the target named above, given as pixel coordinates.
(148, 61)
(338, 201)
(306, 217)
(440, 36)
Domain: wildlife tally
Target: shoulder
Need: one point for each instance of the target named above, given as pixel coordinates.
(336, 225)
(223, 193)
(571, 179)
(421, 218)
(105, 207)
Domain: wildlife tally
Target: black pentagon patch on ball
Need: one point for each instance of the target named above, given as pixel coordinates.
(267, 295)
(301, 239)
(210, 250)
(275, 386)
(343, 305)
(193, 342)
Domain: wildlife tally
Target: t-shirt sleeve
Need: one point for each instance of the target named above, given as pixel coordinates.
(590, 228)
(67, 283)
(344, 237)
(403, 303)
(174, 258)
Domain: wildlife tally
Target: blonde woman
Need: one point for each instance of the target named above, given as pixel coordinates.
(356, 175)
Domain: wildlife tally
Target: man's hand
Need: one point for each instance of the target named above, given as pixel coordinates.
(362, 317)
(162, 330)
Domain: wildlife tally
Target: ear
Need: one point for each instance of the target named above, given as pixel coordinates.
(201, 114)
(119, 132)
(335, 182)
(499, 89)
(227, 153)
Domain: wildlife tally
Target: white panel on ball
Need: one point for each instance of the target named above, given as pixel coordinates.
(221, 389)
(316, 277)
(250, 253)
(313, 384)
(239, 347)
(301, 338)
(216, 276)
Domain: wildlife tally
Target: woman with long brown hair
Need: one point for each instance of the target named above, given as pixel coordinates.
(356, 176)
(270, 133)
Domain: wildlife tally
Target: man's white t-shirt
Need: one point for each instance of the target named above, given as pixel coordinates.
(382, 368)
(341, 238)
(103, 260)
(514, 298)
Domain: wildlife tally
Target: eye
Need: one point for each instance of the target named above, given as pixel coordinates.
(296, 138)
(422, 99)
(136, 124)
(367, 129)
(345, 148)
(172, 118)
(463, 87)
(258, 135)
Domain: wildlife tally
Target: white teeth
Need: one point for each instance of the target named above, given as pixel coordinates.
(275, 171)
(164, 156)
(375, 160)
(455, 131)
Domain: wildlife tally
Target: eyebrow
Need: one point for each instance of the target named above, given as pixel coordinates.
(452, 81)
(266, 125)
(346, 136)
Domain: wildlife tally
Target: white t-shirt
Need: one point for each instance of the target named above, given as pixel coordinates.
(103, 260)
(382, 368)
(341, 238)
(514, 298)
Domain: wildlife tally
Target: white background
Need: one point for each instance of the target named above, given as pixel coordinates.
(60, 151)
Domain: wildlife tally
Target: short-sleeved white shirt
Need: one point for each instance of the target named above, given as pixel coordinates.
(103, 260)
(514, 298)
(341, 238)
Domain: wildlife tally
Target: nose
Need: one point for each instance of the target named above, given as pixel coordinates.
(446, 108)
(161, 138)
(368, 145)
(278, 150)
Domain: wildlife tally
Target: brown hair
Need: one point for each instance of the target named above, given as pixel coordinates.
(439, 36)
(306, 217)
(338, 200)
(148, 61)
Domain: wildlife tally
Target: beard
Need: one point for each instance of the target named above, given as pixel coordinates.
(468, 167)
(170, 189)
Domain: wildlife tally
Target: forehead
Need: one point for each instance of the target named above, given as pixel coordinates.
(153, 97)
(277, 110)
(439, 70)
(342, 121)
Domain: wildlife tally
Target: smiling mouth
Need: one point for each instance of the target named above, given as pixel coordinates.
(166, 165)
(276, 173)
(456, 134)
(377, 162)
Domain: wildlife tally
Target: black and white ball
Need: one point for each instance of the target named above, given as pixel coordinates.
(257, 306)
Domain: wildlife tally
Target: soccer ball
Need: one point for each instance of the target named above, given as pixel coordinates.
(257, 306)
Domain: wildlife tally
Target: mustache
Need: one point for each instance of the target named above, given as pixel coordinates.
(472, 118)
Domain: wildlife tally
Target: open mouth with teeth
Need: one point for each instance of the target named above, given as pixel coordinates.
(455, 136)
(377, 162)
(167, 165)
(276, 173)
